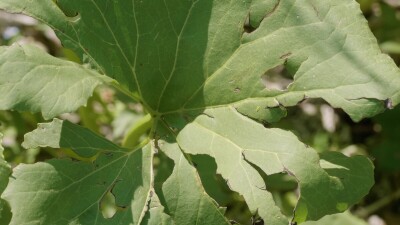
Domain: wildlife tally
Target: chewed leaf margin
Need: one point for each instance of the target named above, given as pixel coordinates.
(225, 66)
(337, 60)
(240, 146)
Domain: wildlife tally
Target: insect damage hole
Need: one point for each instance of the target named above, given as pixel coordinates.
(71, 14)
(247, 26)
(237, 90)
(276, 78)
(108, 207)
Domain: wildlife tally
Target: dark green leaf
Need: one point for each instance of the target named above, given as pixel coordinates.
(62, 191)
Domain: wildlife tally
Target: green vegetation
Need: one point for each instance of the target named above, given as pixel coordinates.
(198, 112)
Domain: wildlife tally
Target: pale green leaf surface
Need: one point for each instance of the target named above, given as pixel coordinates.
(239, 144)
(240, 174)
(183, 194)
(31, 80)
(62, 191)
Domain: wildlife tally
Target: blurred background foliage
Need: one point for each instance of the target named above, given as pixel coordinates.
(112, 114)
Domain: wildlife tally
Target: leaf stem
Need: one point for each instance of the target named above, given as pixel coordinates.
(136, 131)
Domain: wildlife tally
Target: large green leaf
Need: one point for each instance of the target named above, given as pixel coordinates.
(62, 191)
(148, 46)
(197, 67)
(240, 145)
(183, 193)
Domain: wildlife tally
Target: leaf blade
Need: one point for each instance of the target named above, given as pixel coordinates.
(246, 142)
(31, 80)
(75, 189)
(183, 195)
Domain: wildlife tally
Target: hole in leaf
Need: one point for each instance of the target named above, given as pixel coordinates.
(277, 78)
(218, 189)
(107, 205)
(247, 27)
(389, 104)
(237, 90)
(257, 221)
(207, 169)
(284, 189)
(163, 167)
(69, 12)
(258, 13)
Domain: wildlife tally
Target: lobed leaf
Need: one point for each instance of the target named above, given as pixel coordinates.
(147, 46)
(31, 80)
(183, 194)
(197, 67)
(62, 191)
(240, 146)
